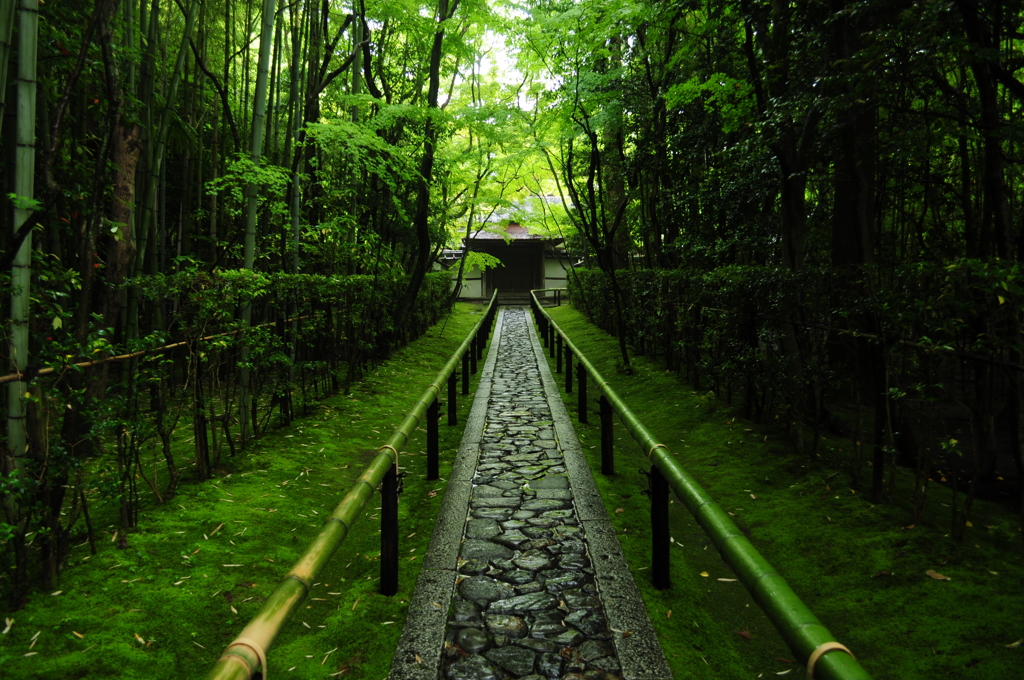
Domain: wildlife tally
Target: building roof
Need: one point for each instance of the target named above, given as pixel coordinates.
(510, 232)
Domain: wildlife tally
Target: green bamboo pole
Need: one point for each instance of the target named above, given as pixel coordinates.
(7, 8)
(247, 653)
(252, 190)
(801, 630)
(24, 189)
(258, 118)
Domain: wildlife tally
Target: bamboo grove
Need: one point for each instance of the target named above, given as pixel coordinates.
(813, 208)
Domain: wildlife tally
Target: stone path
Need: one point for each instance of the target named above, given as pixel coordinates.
(524, 577)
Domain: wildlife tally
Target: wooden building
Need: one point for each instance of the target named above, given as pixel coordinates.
(528, 261)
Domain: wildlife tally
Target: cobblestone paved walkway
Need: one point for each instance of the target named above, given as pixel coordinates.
(524, 577)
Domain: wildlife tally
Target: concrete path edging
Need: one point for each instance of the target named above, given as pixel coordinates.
(418, 656)
(639, 654)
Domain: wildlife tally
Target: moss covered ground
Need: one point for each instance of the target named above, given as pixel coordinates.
(861, 568)
(167, 604)
(198, 567)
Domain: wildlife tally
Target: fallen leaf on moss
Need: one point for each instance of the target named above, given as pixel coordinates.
(704, 574)
(1014, 645)
(936, 575)
(743, 633)
(727, 580)
(619, 511)
(78, 635)
(669, 614)
(784, 672)
(753, 496)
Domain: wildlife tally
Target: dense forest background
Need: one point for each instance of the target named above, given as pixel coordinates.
(812, 207)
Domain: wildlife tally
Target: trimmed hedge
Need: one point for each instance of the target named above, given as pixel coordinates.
(800, 345)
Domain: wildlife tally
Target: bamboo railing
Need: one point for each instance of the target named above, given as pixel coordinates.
(808, 639)
(247, 654)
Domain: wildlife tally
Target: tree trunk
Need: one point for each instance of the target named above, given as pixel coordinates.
(421, 221)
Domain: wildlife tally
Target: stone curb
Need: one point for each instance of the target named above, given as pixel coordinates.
(425, 621)
(639, 654)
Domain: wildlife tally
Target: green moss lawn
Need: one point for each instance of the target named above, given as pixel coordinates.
(861, 568)
(167, 604)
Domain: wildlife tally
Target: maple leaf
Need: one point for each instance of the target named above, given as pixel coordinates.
(743, 633)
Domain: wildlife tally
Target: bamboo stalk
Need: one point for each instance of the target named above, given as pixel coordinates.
(121, 357)
(24, 189)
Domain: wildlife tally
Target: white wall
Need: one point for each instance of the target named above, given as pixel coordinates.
(471, 284)
(555, 273)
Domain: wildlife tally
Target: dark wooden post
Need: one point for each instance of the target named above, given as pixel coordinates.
(551, 339)
(389, 533)
(581, 393)
(659, 531)
(465, 372)
(471, 351)
(558, 354)
(568, 369)
(453, 416)
(607, 437)
(432, 453)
